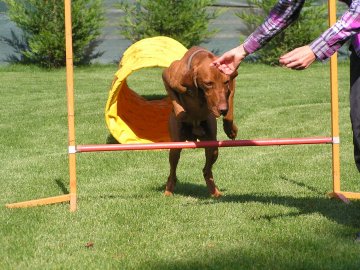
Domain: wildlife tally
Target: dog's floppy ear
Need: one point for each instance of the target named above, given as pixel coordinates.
(188, 79)
(189, 82)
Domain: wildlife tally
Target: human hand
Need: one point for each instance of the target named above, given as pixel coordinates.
(299, 58)
(229, 62)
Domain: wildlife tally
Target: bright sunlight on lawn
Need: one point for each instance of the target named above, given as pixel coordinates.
(274, 213)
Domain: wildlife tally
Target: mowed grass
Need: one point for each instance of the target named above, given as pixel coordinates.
(274, 214)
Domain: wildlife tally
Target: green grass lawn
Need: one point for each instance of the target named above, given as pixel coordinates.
(274, 214)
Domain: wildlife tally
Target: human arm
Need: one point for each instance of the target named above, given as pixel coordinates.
(333, 38)
(229, 62)
(329, 42)
(281, 15)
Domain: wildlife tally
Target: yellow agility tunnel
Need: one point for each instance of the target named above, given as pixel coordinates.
(129, 117)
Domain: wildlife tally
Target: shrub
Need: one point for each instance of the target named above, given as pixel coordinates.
(42, 25)
(310, 24)
(186, 21)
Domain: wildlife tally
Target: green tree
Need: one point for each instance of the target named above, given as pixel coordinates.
(310, 24)
(186, 21)
(43, 32)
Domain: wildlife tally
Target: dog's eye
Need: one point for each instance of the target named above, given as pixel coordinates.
(208, 84)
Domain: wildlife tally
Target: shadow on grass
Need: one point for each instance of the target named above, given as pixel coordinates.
(336, 210)
(333, 209)
(302, 185)
(345, 214)
(61, 185)
(199, 191)
(257, 259)
(111, 140)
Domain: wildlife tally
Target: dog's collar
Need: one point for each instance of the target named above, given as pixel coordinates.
(192, 56)
(189, 65)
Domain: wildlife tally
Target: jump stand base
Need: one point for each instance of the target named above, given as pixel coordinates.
(345, 196)
(45, 201)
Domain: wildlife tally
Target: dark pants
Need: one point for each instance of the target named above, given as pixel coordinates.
(355, 104)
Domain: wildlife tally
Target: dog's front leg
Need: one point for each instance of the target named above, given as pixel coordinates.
(211, 154)
(230, 128)
(178, 109)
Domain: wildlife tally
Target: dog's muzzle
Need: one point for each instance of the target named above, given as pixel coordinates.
(224, 112)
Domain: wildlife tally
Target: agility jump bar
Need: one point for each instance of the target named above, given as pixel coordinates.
(201, 144)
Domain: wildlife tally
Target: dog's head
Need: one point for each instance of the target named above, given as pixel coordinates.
(210, 84)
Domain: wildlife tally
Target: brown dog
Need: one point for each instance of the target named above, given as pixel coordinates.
(199, 94)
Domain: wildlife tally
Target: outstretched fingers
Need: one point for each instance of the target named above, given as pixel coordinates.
(299, 58)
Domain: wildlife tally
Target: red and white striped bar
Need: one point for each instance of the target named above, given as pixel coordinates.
(202, 144)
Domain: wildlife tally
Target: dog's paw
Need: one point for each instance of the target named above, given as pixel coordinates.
(170, 185)
(230, 129)
(213, 190)
(168, 193)
(217, 194)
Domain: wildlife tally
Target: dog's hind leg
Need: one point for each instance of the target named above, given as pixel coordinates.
(174, 157)
(174, 154)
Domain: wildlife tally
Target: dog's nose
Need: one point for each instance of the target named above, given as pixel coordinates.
(223, 112)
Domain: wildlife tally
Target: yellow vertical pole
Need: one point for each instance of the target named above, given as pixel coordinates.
(70, 104)
(334, 107)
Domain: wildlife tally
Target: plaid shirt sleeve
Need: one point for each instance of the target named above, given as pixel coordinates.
(346, 27)
(281, 16)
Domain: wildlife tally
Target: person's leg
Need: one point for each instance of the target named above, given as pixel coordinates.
(355, 110)
(355, 104)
